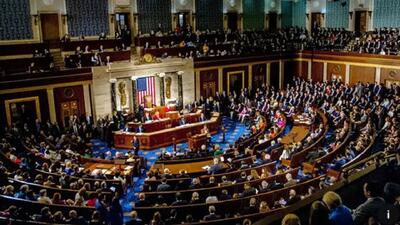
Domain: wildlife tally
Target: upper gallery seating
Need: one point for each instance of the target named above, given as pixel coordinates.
(32, 58)
(217, 43)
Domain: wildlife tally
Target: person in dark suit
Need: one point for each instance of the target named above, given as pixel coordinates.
(252, 208)
(371, 207)
(202, 118)
(140, 129)
(147, 117)
(142, 201)
(135, 219)
(212, 215)
(135, 145)
(182, 121)
(163, 186)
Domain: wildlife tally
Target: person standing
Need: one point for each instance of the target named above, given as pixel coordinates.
(135, 145)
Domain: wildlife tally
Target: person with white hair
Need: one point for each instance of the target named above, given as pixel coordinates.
(289, 180)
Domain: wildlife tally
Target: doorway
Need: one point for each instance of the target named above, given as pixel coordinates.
(235, 82)
(122, 21)
(69, 109)
(272, 21)
(183, 20)
(50, 27)
(360, 22)
(316, 21)
(232, 21)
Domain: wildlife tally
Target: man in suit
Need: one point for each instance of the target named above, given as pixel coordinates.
(212, 215)
(202, 118)
(163, 186)
(135, 145)
(182, 121)
(147, 117)
(135, 219)
(372, 206)
(140, 129)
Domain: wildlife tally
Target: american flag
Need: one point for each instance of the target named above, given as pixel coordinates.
(145, 86)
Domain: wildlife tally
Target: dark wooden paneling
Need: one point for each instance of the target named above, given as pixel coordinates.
(389, 75)
(50, 26)
(259, 75)
(302, 69)
(338, 70)
(207, 77)
(44, 105)
(67, 94)
(295, 68)
(362, 74)
(290, 69)
(238, 69)
(317, 71)
(274, 74)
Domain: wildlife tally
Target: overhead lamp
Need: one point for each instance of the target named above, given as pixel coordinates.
(180, 72)
(161, 74)
(112, 80)
(133, 78)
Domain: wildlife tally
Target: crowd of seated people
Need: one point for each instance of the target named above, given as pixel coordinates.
(197, 44)
(331, 209)
(383, 41)
(41, 61)
(339, 101)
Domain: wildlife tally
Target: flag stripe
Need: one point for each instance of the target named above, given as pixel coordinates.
(145, 86)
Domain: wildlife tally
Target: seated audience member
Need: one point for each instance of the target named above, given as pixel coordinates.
(338, 213)
(135, 219)
(142, 201)
(182, 121)
(163, 186)
(289, 180)
(371, 207)
(252, 208)
(293, 197)
(102, 36)
(96, 59)
(291, 219)
(319, 214)
(211, 215)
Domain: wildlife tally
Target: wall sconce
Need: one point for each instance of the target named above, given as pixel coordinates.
(323, 15)
(351, 15)
(64, 18)
(369, 14)
(112, 17)
(36, 18)
(308, 15)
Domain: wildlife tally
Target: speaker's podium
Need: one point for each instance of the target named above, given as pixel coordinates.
(196, 141)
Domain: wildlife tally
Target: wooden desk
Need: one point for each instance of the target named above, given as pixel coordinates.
(197, 140)
(172, 120)
(298, 133)
(164, 137)
(152, 126)
(108, 169)
(193, 167)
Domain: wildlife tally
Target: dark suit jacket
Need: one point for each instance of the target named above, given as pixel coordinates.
(211, 217)
(369, 208)
(163, 187)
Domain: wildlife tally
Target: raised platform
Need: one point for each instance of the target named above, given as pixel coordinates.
(163, 138)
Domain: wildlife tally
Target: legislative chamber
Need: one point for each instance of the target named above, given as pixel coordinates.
(203, 112)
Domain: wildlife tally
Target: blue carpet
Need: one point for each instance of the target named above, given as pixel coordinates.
(233, 131)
